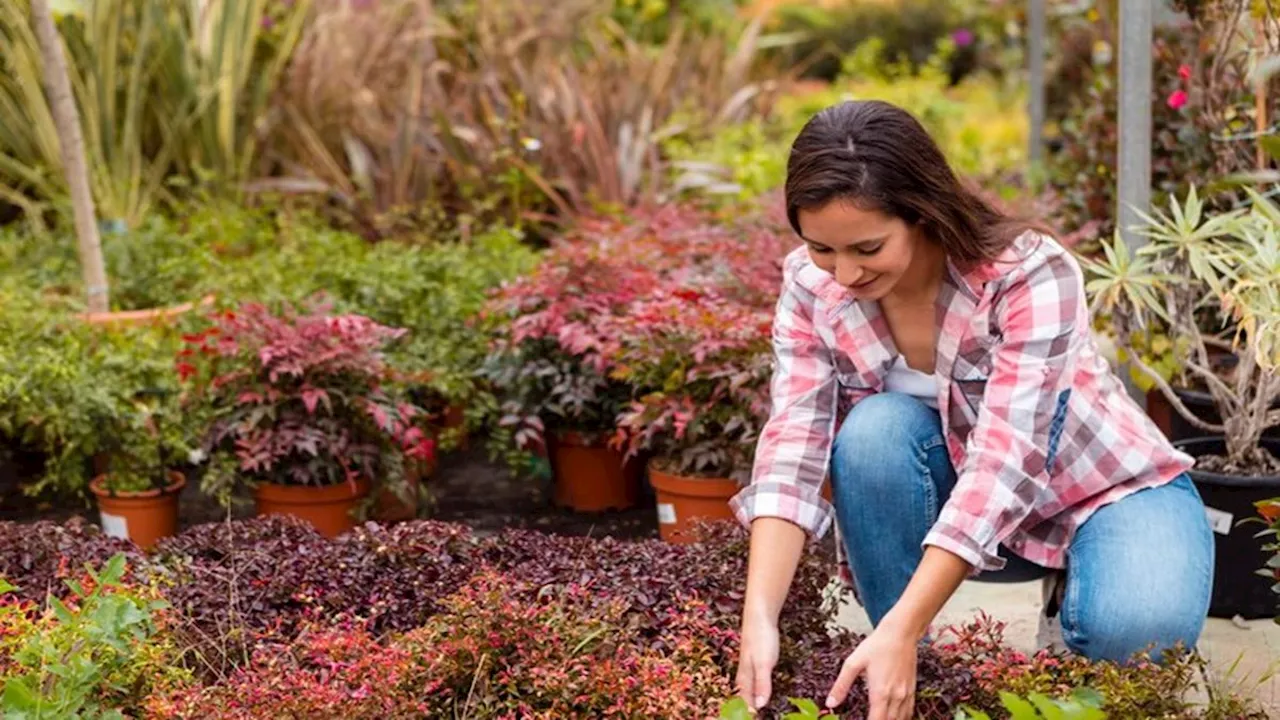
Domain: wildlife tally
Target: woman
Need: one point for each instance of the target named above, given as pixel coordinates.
(934, 358)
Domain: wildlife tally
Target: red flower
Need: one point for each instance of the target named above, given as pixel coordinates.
(1184, 72)
(185, 370)
(1177, 99)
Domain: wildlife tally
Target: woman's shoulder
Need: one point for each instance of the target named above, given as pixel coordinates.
(1034, 261)
(800, 277)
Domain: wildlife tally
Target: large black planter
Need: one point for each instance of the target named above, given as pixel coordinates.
(1176, 427)
(1238, 555)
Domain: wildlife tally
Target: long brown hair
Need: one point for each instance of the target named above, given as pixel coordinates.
(879, 157)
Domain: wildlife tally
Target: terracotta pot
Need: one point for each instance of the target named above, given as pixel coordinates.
(143, 517)
(130, 318)
(455, 419)
(590, 477)
(327, 508)
(683, 499)
(390, 507)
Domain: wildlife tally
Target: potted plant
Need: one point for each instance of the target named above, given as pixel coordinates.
(552, 369)
(1210, 282)
(703, 362)
(304, 410)
(138, 491)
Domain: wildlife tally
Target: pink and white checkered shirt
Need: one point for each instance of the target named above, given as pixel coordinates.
(1039, 429)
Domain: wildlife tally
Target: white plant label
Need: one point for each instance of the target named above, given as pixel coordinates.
(1220, 521)
(666, 513)
(115, 526)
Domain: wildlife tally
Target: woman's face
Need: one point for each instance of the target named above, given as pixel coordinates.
(866, 251)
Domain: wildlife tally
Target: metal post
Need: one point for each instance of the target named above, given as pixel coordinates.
(1035, 80)
(1133, 187)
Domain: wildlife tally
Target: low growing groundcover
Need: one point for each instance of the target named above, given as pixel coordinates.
(264, 618)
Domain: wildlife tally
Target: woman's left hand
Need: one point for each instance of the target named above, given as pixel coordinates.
(887, 658)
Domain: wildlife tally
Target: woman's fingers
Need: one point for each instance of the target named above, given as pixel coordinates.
(849, 672)
(763, 686)
(746, 679)
(899, 705)
(755, 681)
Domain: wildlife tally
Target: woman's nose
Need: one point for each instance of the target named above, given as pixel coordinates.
(848, 272)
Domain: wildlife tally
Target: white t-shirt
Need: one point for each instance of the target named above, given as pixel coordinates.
(902, 378)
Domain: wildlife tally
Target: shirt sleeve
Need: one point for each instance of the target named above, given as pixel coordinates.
(793, 452)
(1011, 448)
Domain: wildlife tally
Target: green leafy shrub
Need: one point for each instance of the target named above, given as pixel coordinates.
(94, 656)
(1139, 689)
(76, 392)
(72, 392)
(975, 122)
(907, 30)
(1203, 106)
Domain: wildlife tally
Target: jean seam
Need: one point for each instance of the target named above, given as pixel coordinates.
(1070, 609)
(930, 491)
(926, 474)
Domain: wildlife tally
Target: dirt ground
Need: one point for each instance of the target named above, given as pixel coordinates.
(466, 486)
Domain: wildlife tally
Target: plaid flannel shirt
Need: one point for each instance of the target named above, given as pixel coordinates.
(1039, 429)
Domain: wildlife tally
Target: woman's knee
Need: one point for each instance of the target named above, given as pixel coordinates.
(883, 435)
(1142, 574)
(1123, 635)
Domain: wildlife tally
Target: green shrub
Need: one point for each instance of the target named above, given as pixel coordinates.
(93, 657)
(76, 392)
(978, 122)
(909, 31)
(64, 382)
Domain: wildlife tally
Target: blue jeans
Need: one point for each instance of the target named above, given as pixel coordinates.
(1139, 571)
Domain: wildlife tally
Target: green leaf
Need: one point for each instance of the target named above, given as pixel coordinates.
(1270, 144)
(18, 696)
(6, 587)
(1050, 709)
(61, 611)
(808, 710)
(114, 570)
(735, 709)
(1018, 708)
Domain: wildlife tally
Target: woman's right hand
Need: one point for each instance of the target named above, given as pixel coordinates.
(757, 657)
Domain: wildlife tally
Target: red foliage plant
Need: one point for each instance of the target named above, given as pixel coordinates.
(302, 398)
(657, 321)
(491, 653)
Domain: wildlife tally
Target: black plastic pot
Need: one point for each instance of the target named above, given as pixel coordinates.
(1238, 555)
(1176, 427)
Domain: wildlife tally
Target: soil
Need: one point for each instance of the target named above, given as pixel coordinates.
(1267, 466)
(467, 489)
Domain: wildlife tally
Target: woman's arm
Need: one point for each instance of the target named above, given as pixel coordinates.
(783, 505)
(934, 582)
(776, 546)
(888, 656)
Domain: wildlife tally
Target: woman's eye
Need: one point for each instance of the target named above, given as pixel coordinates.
(871, 250)
(820, 250)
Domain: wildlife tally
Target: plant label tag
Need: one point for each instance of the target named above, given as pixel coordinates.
(1219, 521)
(666, 513)
(115, 526)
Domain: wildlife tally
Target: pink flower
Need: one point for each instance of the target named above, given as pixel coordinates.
(1177, 99)
(1184, 72)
